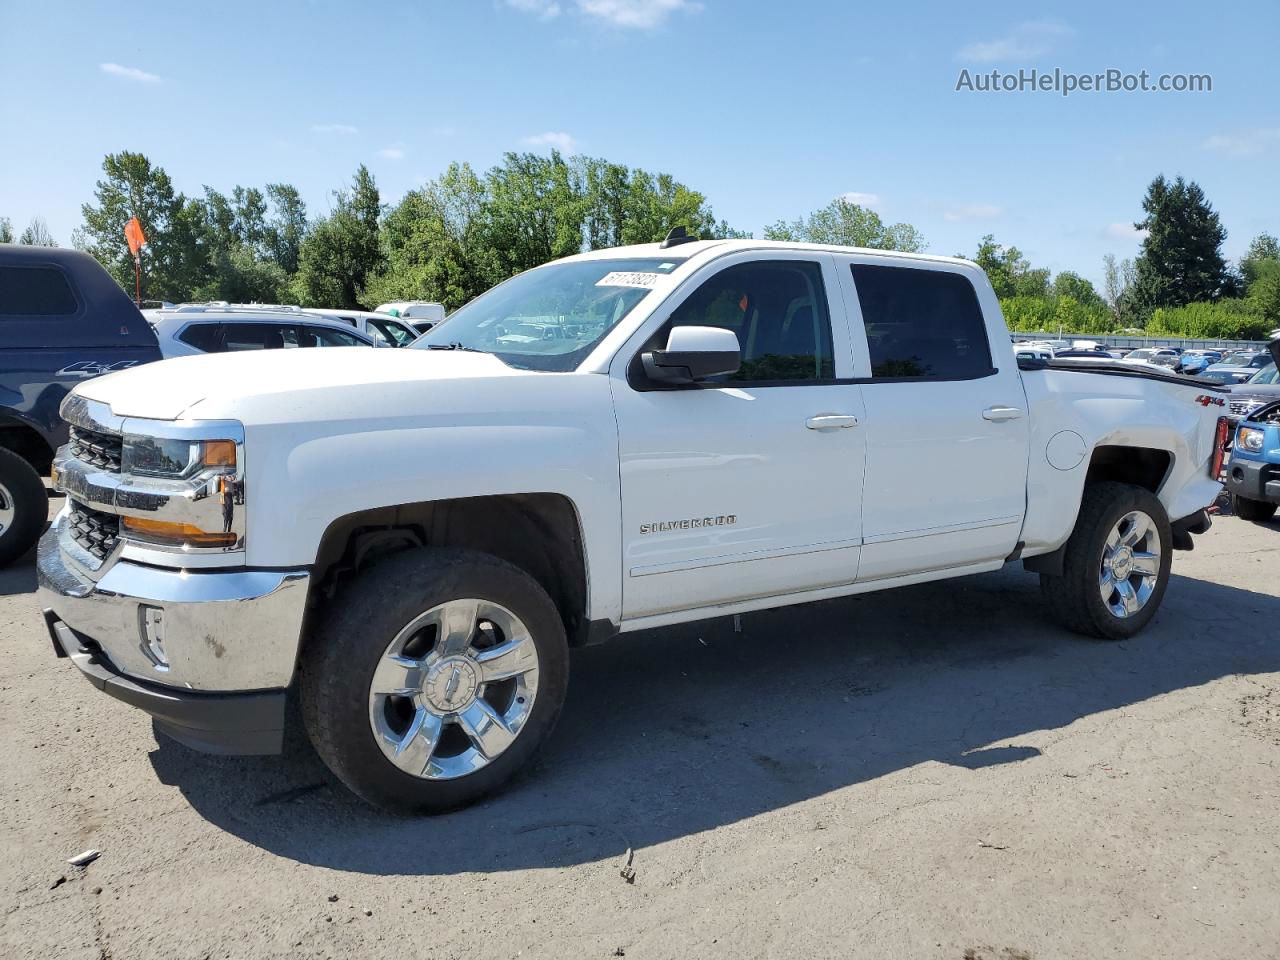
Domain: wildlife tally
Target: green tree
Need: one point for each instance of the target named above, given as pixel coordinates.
(533, 213)
(220, 220)
(1010, 273)
(462, 233)
(847, 224)
(287, 227)
(1262, 248)
(240, 276)
(436, 243)
(1181, 260)
(175, 261)
(1068, 284)
(1264, 290)
(6, 230)
(250, 208)
(343, 251)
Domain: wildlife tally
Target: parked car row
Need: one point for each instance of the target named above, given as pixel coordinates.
(220, 327)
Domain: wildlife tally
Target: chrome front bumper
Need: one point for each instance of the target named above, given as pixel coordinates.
(219, 630)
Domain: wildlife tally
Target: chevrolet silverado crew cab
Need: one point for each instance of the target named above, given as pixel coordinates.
(410, 541)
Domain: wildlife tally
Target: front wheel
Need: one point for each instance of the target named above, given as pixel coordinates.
(436, 676)
(1115, 565)
(1255, 510)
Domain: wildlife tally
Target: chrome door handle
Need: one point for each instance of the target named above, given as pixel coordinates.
(831, 421)
(999, 414)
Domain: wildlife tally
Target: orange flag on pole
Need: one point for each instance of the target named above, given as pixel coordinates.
(134, 236)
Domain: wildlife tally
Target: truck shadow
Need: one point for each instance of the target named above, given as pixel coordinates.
(674, 732)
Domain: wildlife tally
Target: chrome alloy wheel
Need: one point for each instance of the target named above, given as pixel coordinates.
(454, 688)
(7, 510)
(1130, 566)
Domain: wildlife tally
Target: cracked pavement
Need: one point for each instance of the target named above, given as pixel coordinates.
(934, 771)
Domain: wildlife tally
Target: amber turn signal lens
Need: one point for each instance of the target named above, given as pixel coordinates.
(219, 453)
(179, 534)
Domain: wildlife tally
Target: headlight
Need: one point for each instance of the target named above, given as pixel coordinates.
(172, 458)
(1247, 438)
(183, 493)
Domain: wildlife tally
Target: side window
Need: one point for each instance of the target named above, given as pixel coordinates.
(35, 292)
(203, 336)
(778, 309)
(259, 336)
(397, 334)
(324, 337)
(922, 323)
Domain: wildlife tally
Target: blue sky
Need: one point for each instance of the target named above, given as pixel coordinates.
(771, 109)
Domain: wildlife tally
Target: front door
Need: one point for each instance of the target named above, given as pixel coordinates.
(749, 487)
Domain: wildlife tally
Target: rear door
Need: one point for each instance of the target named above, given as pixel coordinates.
(751, 486)
(946, 421)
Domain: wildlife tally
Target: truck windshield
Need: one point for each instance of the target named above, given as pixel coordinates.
(551, 317)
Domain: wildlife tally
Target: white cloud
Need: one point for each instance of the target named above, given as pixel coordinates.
(1125, 230)
(542, 9)
(973, 211)
(556, 140)
(1024, 42)
(391, 153)
(129, 73)
(639, 14)
(342, 129)
(644, 14)
(868, 200)
(1243, 144)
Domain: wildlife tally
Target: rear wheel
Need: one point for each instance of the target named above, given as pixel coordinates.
(1255, 510)
(24, 506)
(1115, 565)
(436, 676)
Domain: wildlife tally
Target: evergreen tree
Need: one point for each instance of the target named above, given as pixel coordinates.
(1181, 260)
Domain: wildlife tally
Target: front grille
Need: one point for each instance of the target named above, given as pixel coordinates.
(102, 450)
(93, 530)
(1242, 408)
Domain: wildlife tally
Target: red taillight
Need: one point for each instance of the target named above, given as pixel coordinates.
(1220, 437)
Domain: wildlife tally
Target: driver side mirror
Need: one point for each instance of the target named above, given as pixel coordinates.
(693, 354)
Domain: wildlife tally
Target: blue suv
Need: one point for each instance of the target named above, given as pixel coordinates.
(1253, 477)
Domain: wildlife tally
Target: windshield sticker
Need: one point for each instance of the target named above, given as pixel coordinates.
(622, 279)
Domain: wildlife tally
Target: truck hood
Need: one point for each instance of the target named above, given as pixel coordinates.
(211, 386)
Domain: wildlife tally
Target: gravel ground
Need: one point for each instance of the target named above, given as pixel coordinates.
(934, 771)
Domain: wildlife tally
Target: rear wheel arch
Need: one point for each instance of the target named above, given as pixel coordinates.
(1146, 467)
(540, 533)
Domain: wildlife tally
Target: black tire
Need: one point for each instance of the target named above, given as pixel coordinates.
(357, 627)
(1255, 510)
(21, 490)
(1074, 599)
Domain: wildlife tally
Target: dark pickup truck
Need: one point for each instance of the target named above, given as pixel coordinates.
(62, 320)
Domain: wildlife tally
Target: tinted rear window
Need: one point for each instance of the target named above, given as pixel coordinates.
(35, 292)
(203, 336)
(922, 323)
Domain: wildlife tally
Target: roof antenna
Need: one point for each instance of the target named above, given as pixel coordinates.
(677, 236)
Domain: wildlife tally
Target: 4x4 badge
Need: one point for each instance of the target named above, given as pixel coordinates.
(1205, 400)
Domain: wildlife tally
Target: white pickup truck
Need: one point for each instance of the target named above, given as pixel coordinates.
(410, 541)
